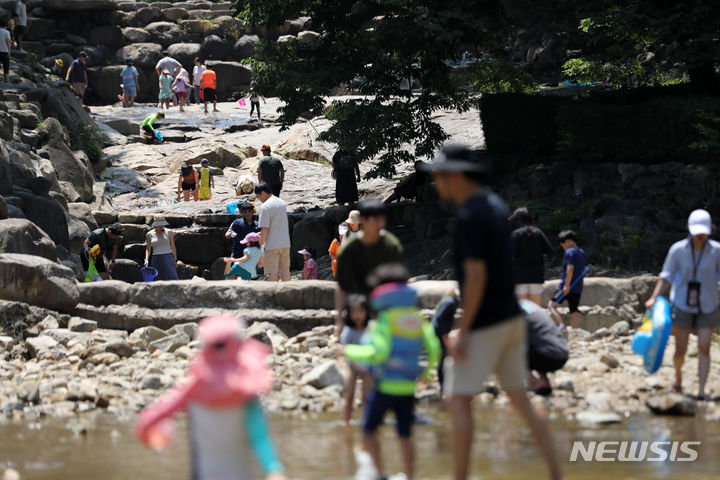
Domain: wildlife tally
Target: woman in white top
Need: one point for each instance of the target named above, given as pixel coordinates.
(350, 227)
(161, 253)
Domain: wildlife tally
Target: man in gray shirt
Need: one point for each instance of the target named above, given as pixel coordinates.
(274, 234)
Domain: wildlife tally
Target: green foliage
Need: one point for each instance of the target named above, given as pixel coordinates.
(88, 139)
(39, 125)
(616, 30)
(708, 130)
(3, 245)
(374, 46)
(588, 71)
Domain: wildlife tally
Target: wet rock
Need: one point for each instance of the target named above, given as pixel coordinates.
(120, 347)
(23, 236)
(77, 324)
(151, 382)
(609, 360)
(600, 333)
(672, 404)
(144, 336)
(38, 346)
(169, 343)
(620, 329)
(598, 418)
(324, 375)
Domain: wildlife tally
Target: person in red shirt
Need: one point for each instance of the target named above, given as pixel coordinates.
(208, 84)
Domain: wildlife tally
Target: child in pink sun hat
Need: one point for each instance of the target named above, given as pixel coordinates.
(220, 394)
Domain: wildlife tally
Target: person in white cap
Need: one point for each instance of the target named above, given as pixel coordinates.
(692, 269)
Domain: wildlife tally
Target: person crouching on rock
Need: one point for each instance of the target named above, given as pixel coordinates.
(220, 394)
(160, 252)
(148, 125)
(245, 267)
(106, 238)
(547, 347)
(187, 183)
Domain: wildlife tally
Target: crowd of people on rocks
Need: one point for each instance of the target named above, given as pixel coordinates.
(492, 324)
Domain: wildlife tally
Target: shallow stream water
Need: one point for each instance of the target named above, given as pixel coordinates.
(316, 448)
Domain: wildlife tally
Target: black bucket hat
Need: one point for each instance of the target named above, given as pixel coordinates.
(456, 158)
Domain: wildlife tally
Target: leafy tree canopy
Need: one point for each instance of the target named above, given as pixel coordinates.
(382, 47)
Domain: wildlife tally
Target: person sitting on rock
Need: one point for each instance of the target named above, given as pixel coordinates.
(106, 238)
(310, 265)
(148, 126)
(58, 67)
(220, 394)
(245, 267)
(547, 347)
(187, 183)
(411, 187)
(206, 181)
(239, 228)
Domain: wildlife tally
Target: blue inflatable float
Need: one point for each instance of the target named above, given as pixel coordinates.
(650, 339)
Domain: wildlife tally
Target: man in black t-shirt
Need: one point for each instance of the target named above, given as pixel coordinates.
(106, 239)
(491, 336)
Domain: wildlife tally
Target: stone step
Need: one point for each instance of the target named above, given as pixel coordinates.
(131, 317)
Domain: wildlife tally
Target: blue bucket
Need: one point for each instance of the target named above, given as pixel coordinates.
(149, 273)
(232, 208)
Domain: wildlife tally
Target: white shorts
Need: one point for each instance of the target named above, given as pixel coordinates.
(529, 289)
(499, 349)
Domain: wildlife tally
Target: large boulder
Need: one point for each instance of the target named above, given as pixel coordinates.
(135, 35)
(82, 212)
(147, 15)
(39, 28)
(174, 14)
(37, 281)
(165, 33)
(202, 246)
(106, 83)
(61, 104)
(47, 214)
(109, 35)
(313, 229)
(221, 158)
(245, 47)
(23, 236)
(68, 166)
(4, 213)
(231, 76)
(214, 48)
(143, 54)
(79, 5)
(126, 271)
(124, 126)
(185, 53)
(228, 27)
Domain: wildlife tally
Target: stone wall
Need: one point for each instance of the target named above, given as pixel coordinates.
(110, 31)
(301, 305)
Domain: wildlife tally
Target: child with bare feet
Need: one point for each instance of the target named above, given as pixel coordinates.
(245, 267)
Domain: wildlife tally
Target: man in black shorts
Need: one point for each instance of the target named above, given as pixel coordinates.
(571, 282)
(106, 238)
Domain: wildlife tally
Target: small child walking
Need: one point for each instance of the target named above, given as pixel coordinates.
(220, 394)
(181, 86)
(310, 266)
(165, 95)
(571, 282)
(357, 319)
(397, 340)
(245, 267)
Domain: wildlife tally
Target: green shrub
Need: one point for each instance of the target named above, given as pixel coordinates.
(88, 139)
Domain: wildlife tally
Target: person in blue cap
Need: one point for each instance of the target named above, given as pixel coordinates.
(129, 76)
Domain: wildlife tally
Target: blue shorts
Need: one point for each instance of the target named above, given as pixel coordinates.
(238, 271)
(379, 403)
(130, 90)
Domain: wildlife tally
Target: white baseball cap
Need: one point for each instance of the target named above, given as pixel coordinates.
(700, 223)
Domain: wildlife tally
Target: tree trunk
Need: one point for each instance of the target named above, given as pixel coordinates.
(704, 79)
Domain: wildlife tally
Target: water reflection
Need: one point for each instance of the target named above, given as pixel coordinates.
(322, 447)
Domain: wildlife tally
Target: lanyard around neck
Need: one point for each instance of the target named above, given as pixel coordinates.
(696, 264)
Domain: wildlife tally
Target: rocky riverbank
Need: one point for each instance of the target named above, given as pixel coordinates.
(63, 366)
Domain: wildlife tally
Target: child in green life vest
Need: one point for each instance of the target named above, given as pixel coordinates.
(207, 182)
(397, 340)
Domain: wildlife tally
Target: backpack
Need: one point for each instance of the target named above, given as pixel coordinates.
(186, 170)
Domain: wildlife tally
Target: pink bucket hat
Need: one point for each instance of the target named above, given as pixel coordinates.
(251, 237)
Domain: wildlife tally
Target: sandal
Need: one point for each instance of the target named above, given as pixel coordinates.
(675, 388)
